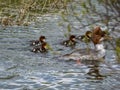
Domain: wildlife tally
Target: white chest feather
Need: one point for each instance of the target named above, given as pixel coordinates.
(101, 50)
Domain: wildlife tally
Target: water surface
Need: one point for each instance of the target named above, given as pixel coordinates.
(21, 69)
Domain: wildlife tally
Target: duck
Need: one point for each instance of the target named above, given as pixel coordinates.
(82, 54)
(70, 42)
(38, 42)
(86, 37)
(98, 53)
(41, 48)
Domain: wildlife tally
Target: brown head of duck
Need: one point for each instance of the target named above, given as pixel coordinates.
(98, 35)
(42, 39)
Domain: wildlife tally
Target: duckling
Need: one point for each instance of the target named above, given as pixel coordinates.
(41, 48)
(38, 42)
(71, 42)
(85, 38)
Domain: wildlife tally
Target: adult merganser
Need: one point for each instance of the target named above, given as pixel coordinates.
(98, 53)
(82, 54)
(38, 42)
(71, 42)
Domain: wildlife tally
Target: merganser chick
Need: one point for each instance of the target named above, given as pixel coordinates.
(38, 42)
(85, 38)
(71, 42)
(41, 48)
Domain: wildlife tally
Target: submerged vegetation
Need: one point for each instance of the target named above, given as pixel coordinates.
(84, 13)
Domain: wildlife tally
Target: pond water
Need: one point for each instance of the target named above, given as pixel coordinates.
(21, 69)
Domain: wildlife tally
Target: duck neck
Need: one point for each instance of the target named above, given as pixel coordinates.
(101, 50)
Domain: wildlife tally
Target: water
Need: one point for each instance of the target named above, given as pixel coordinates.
(21, 69)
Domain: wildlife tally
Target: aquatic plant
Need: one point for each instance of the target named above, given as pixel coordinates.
(118, 48)
(22, 12)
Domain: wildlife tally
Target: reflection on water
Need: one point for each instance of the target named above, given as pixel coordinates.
(95, 74)
(21, 69)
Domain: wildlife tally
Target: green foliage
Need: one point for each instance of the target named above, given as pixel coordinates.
(69, 28)
(86, 39)
(68, 31)
(118, 53)
(83, 4)
(118, 42)
(49, 47)
(118, 48)
(64, 17)
(27, 10)
(107, 32)
(66, 34)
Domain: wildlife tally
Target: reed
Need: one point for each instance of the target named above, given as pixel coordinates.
(21, 12)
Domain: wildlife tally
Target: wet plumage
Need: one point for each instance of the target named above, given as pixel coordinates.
(38, 42)
(70, 42)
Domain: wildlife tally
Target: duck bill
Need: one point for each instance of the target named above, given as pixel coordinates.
(89, 35)
(44, 40)
(102, 39)
(73, 39)
(107, 37)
